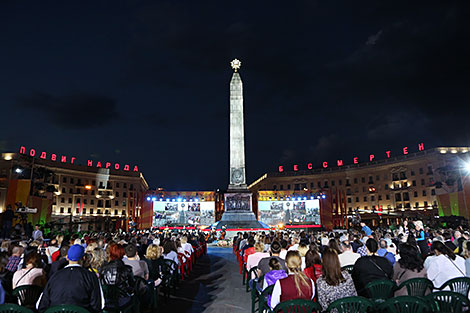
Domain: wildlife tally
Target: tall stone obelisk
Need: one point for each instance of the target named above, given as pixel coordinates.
(237, 134)
(238, 199)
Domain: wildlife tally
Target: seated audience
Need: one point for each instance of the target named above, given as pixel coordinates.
(313, 264)
(334, 284)
(410, 265)
(73, 285)
(466, 255)
(295, 244)
(263, 264)
(383, 251)
(284, 244)
(98, 258)
(15, 259)
(445, 265)
(302, 248)
(249, 249)
(347, 257)
(370, 268)
(61, 262)
(116, 273)
(139, 267)
(296, 285)
(253, 259)
(186, 246)
(169, 252)
(273, 275)
(153, 258)
(32, 274)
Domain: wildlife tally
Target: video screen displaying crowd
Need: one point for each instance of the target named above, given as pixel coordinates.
(95, 271)
(327, 266)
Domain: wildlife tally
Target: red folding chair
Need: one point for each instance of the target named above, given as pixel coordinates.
(189, 260)
(182, 266)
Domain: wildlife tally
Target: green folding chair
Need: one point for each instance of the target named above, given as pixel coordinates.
(459, 284)
(418, 287)
(254, 296)
(350, 305)
(170, 277)
(66, 309)
(404, 304)
(27, 295)
(13, 308)
(380, 290)
(146, 291)
(298, 306)
(244, 272)
(263, 299)
(249, 276)
(348, 268)
(447, 302)
(112, 294)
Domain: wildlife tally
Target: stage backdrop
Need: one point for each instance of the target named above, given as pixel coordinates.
(191, 213)
(296, 211)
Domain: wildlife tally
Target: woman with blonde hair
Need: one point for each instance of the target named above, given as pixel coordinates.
(154, 260)
(92, 246)
(421, 239)
(186, 246)
(296, 285)
(98, 258)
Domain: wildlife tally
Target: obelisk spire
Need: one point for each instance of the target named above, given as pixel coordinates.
(237, 135)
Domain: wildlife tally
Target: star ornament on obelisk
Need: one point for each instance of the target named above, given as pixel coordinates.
(236, 64)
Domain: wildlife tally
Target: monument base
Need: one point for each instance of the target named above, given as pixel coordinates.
(239, 219)
(238, 213)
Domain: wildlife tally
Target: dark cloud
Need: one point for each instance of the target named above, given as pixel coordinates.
(75, 111)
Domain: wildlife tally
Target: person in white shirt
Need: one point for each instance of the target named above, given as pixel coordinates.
(186, 246)
(347, 257)
(295, 244)
(445, 265)
(283, 252)
(302, 251)
(253, 259)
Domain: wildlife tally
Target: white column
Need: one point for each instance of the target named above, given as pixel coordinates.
(237, 137)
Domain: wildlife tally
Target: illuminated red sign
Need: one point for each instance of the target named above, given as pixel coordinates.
(339, 163)
(54, 157)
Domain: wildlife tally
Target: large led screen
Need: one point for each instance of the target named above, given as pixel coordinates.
(276, 212)
(167, 213)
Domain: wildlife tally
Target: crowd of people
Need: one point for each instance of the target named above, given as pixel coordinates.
(317, 266)
(77, 270)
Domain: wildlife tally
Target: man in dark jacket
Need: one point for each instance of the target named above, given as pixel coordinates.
(61, 262)
(73, 285)
(370, 268)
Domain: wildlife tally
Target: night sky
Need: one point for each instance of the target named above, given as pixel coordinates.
(147, 82)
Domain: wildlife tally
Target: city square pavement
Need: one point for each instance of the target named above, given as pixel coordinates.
(215, 285)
